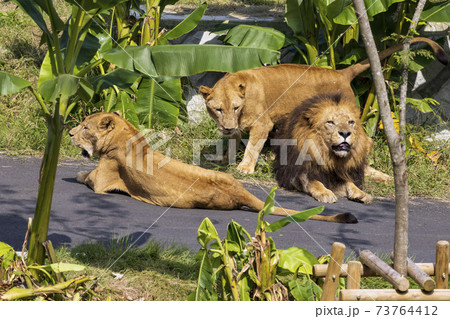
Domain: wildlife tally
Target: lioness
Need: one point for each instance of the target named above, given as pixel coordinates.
(254, 100)
(328, 149)
(128, 164)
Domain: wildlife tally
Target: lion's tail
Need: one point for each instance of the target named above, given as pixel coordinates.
(352, 71)
(257, 205)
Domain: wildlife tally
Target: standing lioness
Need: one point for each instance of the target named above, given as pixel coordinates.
(128, 164)
(255, 100)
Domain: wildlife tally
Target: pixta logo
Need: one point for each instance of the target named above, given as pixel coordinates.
(140, 151)
(308, 153)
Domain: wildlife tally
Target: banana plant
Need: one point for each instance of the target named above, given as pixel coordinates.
(79, 46)
(147, 51)
(242, 267)
(58, 92)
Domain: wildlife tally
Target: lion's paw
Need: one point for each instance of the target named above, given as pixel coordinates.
(245, 169)
(360, 196)
(81, 176)
(366, 198)
(326, 197)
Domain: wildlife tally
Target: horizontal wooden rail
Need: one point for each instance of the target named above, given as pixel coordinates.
(394, 295)
(320, 270)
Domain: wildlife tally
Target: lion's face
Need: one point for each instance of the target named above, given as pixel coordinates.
(91, 133)
(224, 104)
(338, 127)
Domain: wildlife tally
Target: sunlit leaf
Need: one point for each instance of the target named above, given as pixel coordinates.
(4, 248)
(187, 25)
(11, 84)
(297, 259)
(255, 37)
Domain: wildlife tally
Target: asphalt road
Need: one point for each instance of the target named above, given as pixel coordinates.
(79, 216)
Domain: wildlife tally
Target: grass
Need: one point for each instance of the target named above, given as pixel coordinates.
(425, 177)
(154, 272)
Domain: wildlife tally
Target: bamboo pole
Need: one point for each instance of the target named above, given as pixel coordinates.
(442, 266)
(394, 295)
(398, 281)
(334, 268)
(354, 275)
(320, 270)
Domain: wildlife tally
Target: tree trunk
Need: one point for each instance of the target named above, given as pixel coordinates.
(394, 142)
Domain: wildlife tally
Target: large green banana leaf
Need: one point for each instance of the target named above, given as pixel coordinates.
(186, 60)
(120, 78)
(186, 25)
(159, 102)
(66, 85)
(437, 13)
(342, 11)
(252, 36)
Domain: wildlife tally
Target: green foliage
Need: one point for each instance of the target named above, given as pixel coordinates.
(10, 84)
(142, 74)
(336, 22)
(58, 92)
(14, 272)
(242, 267)
(255, 37)
(427, 163)
(437, 12)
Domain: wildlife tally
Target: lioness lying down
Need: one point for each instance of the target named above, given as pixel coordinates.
(255, 100)
(128, 164)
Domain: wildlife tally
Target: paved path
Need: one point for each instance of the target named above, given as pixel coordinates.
(79, 215)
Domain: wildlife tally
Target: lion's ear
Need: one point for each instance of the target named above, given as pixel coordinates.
(242, 88)
(118, 113)
(205, 91)
(107, 123)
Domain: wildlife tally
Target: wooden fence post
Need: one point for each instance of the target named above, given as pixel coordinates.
(334, 268)
(442, 264)
(354, 275)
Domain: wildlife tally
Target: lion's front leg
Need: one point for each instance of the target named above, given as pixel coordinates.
(258, 136)
(354, 193)
(88, 178)
(102, 180)
(233, 145)
(81, 176)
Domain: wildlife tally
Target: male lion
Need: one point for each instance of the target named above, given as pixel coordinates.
(329, 149)
(128, 164)
(254, 100)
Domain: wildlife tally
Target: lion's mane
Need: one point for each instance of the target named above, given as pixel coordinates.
(305, 125)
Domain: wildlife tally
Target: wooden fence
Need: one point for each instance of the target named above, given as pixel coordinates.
(372, 266)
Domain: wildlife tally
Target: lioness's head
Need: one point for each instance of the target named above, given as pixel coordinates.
(224, 103)
(335, 119)
(91, 134)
